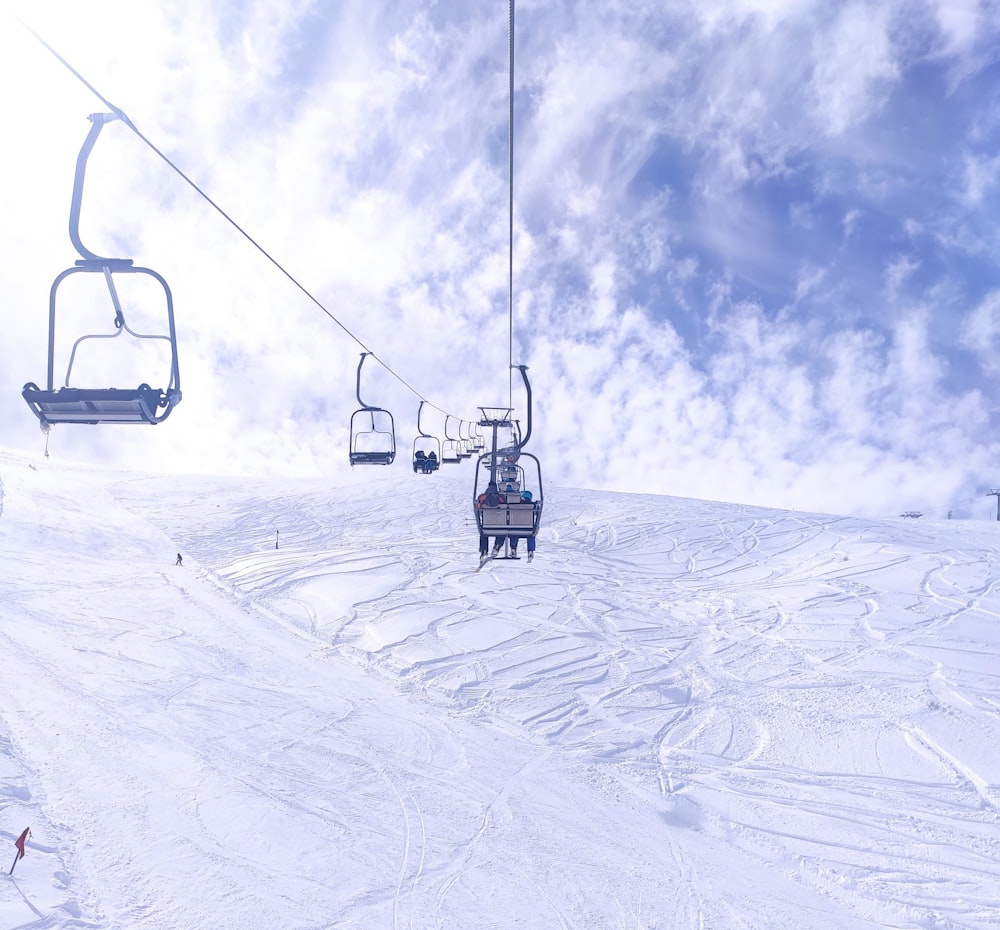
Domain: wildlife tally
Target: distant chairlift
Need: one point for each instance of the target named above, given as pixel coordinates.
(465, 443)
(452, 446)
(508, 464)
(426, 449)
(373, 433)
(71, 404)
(478, 440)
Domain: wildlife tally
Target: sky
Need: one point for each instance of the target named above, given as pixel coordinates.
(754, 251)
(680, 715)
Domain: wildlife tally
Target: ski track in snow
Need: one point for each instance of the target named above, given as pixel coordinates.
(682, 714)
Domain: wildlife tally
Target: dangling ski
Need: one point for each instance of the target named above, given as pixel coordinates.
(484, 560)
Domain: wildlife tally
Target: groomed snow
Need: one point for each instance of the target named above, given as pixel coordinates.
(682, 714)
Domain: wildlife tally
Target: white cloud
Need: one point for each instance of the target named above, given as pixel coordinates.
(981, 332)
(854, 67)
(897, 272)
(850, 221)
(808, 280)
(958, 21)
(981, 175)
(722, 16)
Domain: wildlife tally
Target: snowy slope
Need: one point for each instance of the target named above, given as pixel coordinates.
(681, 715)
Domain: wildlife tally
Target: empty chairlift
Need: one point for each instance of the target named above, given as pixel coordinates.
(465, 443)
(373, 433)
(451, 448)
(130, 299)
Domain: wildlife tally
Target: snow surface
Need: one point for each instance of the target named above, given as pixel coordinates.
(681, 715)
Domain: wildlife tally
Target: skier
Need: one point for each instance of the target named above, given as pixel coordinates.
(179, 561)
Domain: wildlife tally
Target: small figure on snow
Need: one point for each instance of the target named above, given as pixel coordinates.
(179, 561)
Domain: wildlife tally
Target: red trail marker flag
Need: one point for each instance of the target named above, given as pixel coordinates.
(19, 843)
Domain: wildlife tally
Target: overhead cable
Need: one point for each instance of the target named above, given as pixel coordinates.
(121, 115)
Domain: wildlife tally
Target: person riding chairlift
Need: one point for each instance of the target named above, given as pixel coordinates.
(491, 497)
(525, 499)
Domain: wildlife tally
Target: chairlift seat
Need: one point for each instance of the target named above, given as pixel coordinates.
(372, 458)
(108, 405)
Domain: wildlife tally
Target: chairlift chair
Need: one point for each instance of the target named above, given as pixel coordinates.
(373, 433)
(465, 446)
(73, 404)
(513, 518)
(426, 449)
(451, 447)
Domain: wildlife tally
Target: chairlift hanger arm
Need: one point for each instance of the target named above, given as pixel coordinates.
(97, 121)
(523, 440)
(420, 430)
(361, 363)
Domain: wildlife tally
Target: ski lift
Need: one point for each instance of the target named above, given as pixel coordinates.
(426, 449)
(516, 513)
(451, 447)
(465, 446)
(373, 433)
(72, 404)
(478, 439)
(513, 509)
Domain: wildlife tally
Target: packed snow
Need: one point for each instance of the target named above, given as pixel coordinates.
(682, 715)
